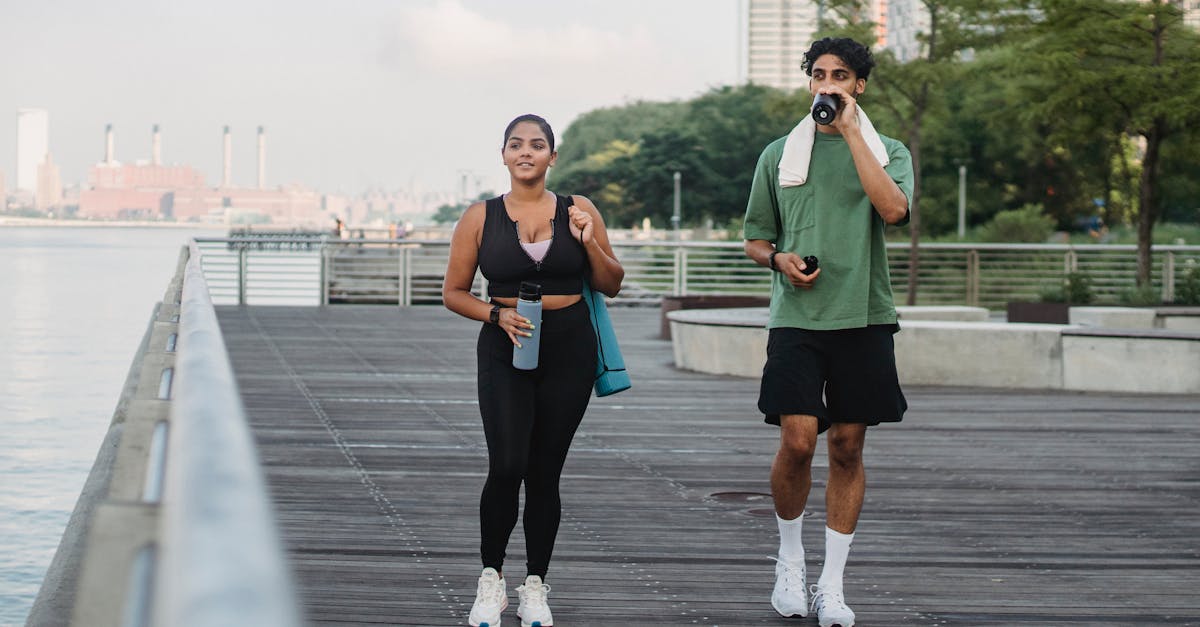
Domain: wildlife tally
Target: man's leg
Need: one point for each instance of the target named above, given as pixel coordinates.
(791, 481)
(843, 503)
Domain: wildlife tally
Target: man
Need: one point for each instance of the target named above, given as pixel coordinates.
(818, 205)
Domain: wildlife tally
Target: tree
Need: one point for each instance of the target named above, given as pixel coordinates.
(450, 213)
(911, 90)
(1129, 66)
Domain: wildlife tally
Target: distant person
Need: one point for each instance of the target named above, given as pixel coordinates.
(529, 416)
(819, 202)
(339, 228)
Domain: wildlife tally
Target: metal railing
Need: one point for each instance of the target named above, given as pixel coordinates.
(245, 270)
(222, 562)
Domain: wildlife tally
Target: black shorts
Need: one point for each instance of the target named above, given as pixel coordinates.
(847, 375)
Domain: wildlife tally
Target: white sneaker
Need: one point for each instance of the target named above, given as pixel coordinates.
(490, 600)
(831, 608)
(533, 610)
(790, 595)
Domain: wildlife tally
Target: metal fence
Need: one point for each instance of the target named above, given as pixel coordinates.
(249, 270)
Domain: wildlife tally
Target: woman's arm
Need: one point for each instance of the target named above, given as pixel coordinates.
(460, 275)
(588, 227)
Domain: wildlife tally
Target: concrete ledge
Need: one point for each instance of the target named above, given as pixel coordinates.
(1113, 317)
(982, 354)
(1163, 362)
(960, 314)
(985, 354)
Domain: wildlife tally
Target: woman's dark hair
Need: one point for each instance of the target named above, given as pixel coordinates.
(852, 53)
(536, 119)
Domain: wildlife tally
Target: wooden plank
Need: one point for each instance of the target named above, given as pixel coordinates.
(984, 507)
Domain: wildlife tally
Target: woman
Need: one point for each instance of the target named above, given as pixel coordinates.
(529, 416)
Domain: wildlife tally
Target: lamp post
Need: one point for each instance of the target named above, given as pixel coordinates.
(962, 200)
(675, 215)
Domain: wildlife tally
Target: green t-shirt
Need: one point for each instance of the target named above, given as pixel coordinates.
(829, 216)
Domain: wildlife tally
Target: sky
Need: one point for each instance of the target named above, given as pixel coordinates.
(353, 94)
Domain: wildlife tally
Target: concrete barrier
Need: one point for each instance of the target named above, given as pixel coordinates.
(1153, 360)
(1113, 317)
(983, 354)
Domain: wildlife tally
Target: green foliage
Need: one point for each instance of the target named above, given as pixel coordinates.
(1187, 289)
(1075, 289)
(1141, 296)
(1025, 225)
(1053, 103)
(450, 213)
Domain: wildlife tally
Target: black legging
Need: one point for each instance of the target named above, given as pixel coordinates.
(529, 419)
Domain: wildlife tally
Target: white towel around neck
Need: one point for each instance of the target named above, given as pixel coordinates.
(797, 149)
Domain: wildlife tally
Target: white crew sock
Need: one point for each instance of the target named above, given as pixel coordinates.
(837, 549)
(791, 548)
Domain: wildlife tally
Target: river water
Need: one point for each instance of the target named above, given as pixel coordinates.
(74, 304)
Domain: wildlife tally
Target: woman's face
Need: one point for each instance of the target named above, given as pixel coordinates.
(527, 153)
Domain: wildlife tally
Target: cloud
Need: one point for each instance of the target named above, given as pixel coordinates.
(448, 37)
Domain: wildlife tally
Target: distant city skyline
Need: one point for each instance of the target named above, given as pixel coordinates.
(354, 97)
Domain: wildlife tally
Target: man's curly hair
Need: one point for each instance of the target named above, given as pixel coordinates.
(852, 53)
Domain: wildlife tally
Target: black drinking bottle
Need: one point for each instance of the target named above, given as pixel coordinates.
(825, 108)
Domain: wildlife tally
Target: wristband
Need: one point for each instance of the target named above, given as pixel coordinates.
(494, 317)
(771, 261)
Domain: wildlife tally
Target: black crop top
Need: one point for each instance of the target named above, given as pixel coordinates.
(505, 263)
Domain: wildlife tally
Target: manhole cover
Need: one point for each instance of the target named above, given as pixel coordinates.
(741, 497)
(761, 512)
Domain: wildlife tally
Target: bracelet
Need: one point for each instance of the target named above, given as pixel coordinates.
(771, 261)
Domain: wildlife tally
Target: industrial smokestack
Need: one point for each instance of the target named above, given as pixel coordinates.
(156, 148)
(108, 144)
(262, 159)
(228, 175)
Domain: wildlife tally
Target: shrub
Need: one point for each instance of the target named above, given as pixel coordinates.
(1141, 296)
(1187, 291)
(1029, 224)
(1075, 289)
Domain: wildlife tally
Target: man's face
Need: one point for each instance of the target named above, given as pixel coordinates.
(829, 71)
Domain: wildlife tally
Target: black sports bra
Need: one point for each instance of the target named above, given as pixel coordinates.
(505, 264)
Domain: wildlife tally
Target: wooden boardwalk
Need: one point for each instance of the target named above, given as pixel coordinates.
(983, 507)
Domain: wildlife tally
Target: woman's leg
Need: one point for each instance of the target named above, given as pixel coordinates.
(506, 403)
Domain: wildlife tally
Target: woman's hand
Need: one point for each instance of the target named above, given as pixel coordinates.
(581, 224)
(514, 324)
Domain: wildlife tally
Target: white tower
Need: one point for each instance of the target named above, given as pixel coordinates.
(33, 142)
(156, 148)
(227, 176)
(262, 158)
(108, 145)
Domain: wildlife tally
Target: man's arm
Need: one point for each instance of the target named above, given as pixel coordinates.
(889, 201)
(788, 264)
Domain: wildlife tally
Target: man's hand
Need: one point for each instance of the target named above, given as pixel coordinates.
(792, 267)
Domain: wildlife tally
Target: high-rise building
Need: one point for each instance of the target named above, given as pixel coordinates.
(777, 34)
(33, 142)
(905, 20)
(3, 194)
(49, 186)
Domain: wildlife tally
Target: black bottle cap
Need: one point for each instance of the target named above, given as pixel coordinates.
(530, 291)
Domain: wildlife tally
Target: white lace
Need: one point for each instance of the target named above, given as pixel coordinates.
(490, 591)
(793, 575)
(827, 598)
(533, 596)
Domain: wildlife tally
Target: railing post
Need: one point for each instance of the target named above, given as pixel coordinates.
(973, 277)
(324, 279)
(1168, 278)
(405, 284)
(676, 271)
(1070, 261)
(683, 271)
(243, 257)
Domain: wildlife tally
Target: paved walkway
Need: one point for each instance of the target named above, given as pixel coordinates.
(983, 507)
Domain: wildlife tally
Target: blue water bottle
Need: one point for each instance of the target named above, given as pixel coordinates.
(529, 305)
